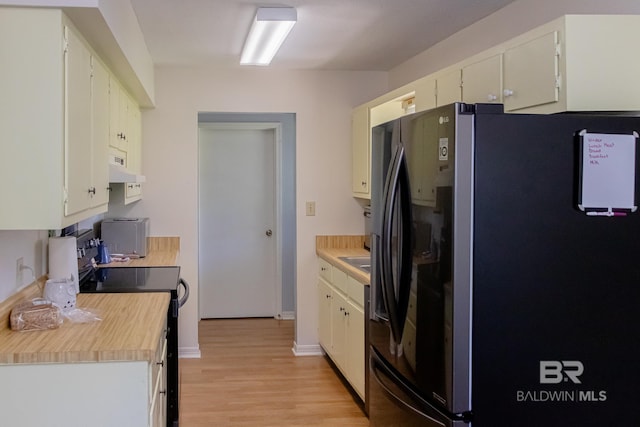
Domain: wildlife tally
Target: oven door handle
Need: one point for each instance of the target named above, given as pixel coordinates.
(185, 297)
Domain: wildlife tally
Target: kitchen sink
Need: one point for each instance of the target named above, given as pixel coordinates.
(360, 262)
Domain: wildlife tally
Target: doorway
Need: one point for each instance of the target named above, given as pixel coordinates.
(239, 218)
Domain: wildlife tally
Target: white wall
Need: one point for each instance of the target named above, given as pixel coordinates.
(512, 20)
(28, 245)
(322, 102)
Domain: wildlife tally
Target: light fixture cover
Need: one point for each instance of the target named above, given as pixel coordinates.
(270, 28)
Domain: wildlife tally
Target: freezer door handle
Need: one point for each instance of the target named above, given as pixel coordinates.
(404, 397)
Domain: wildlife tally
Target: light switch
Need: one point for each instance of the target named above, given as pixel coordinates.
(311, 208)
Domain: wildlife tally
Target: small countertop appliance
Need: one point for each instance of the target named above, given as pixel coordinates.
(126, 236)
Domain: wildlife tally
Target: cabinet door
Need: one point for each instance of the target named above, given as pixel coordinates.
(133, 191)
(158, 406)
(100, 132)
(338, 329)
(482, 81)
(115, 132)
(360, 149)
(119, 118)
(324, 314)
(449, 88)
(78, 166)
(423, 160)
(415, 157)
(425, 94)
(123, 121)
(531, 73)
(355, 346)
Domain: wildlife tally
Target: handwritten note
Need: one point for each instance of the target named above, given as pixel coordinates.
(608, 171)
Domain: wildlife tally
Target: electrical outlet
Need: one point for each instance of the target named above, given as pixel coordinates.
(311, 208)
(19, 265)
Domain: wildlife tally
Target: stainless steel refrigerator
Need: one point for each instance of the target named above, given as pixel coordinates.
(505, 285)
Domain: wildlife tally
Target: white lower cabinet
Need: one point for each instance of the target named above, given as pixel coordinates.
(100, 394)
(158, 398)
(341, 323)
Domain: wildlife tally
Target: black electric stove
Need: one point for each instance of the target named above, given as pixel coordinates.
(148, 279)
(132, 279)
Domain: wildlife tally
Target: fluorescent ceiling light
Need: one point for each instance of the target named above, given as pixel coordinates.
(269, 29)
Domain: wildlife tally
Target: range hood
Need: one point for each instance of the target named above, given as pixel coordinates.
(119, 174)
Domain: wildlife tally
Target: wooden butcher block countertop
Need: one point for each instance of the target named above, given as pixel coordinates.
(331, 248)
(130, 330)
(161, 252)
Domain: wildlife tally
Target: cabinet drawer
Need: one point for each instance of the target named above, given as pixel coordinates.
(339, 280)
(355, 290)
(325, 270)
(157, 365)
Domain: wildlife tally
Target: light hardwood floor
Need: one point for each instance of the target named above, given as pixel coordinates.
(248, 376)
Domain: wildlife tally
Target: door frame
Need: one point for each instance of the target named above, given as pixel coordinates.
(277, 128)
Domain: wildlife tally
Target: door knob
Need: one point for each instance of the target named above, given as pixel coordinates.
(269, 233)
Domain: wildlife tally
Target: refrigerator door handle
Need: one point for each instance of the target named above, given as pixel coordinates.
(382, 375)
(396, 185)
(406, 243)
(386, 242)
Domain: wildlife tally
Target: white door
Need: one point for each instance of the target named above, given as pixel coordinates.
(237, 223)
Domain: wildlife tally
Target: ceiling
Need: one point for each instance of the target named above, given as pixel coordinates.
(372, 35)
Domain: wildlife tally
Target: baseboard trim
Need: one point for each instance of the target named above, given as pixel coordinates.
(287, 315)
(306, 350)
(189, 353)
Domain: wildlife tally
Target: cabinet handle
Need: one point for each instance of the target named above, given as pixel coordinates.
(364, 183)
(323, 269)
(162, 392)
(92, 191)
(160, 363)
(328, 296)
(491, 97)
(341, 309)
(507, 92)
(130, 186)
(346, 313)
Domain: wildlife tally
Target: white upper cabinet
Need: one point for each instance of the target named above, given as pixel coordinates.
(531, 73)
(601, 63)
(55, 116)
(100, 131)
(78, 132)
(360, 146)
(133, 191)
(46, 117)
(425, 94)
(117, 119)
(482, 81)
(449, 87)
(575, 63)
